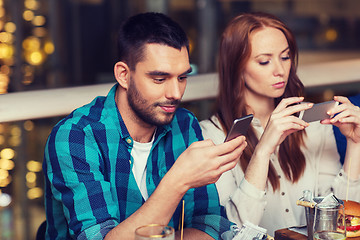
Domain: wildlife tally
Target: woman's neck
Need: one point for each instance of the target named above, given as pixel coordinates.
(262, 107)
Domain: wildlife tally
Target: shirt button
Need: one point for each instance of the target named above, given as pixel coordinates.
(282, 194)
(340, 174)
(279, 176)
(286, 210)
(128, 140)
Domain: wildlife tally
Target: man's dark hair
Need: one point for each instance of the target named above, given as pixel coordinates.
(147, 28)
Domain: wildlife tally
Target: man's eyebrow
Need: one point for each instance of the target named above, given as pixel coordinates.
(161, 73)
(157, 73)
(187, 71)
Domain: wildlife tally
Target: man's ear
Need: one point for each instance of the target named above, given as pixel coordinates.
(122, 74)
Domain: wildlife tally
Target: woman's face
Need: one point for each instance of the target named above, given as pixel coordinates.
(267, 70)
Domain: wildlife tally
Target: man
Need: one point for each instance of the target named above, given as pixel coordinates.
(129, 159)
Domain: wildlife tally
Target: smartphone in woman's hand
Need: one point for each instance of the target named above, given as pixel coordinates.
(318, 111)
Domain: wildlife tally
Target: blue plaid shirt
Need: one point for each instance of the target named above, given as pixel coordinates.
(90, 187)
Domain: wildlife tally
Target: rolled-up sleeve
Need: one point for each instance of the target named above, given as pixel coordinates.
(76, 181)
(244, 203)
(204, 212)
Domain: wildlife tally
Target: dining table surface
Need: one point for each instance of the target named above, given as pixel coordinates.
(287, 234)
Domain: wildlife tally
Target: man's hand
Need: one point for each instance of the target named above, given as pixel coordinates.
(204, 162)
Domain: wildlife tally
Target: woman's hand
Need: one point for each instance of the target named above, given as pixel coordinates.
(347, 119)
(282, 123)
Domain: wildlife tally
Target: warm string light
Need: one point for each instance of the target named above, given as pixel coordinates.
(7, 29)
(6, 165)
(33, 44)
(13, 136)
(35, 49)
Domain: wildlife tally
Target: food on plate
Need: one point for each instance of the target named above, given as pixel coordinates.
(352, 218)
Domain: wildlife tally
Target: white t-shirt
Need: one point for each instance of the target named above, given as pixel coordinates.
(140, 154)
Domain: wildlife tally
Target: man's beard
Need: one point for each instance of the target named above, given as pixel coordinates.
(147, 113)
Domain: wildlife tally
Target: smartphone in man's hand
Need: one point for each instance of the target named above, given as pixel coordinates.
(239, 127)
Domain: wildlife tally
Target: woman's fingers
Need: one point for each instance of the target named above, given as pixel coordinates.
(285, 102)
(290, 106)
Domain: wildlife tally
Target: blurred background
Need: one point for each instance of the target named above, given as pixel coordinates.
(50, 44)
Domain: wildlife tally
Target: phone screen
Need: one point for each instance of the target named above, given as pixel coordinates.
(239, 127)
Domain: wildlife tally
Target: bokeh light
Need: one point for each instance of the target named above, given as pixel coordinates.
(14, 141)
(40, 32)
(6, 164)
(331, 35)
(6, 51)
(31, 177)
(5, 69)
(29, 125)
(34, 166)
(15, 131)
(34, 193)
(2, 12)
(39, 21)
(3, 174)
(5, 182)
(6, 37)
(31, 4)
(35, 58)
(10, 27)
(5, 199)
(49, 47)
(28, 15)
(4, 78)
(31, 44)
(7, 153)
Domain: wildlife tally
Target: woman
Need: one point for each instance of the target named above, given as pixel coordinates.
(285, 155)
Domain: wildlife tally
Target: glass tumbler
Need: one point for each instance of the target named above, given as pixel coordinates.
(329, 221)
(155, 231)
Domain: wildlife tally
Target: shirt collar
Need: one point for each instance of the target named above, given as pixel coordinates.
(256, 122)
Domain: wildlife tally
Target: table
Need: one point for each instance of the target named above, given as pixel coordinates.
(286, 234)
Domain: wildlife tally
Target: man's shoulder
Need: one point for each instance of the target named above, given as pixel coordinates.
(85, 115)
(184, 114)
(185, 124)
(184, 117)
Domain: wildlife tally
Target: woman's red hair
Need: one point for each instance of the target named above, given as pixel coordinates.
(234, 52)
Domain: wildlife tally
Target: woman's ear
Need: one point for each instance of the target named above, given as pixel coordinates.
(122, 74)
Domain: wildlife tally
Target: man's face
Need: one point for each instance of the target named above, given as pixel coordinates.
(158, 84)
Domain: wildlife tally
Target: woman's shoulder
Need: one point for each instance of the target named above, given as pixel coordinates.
(211, 124)
(211, 129)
